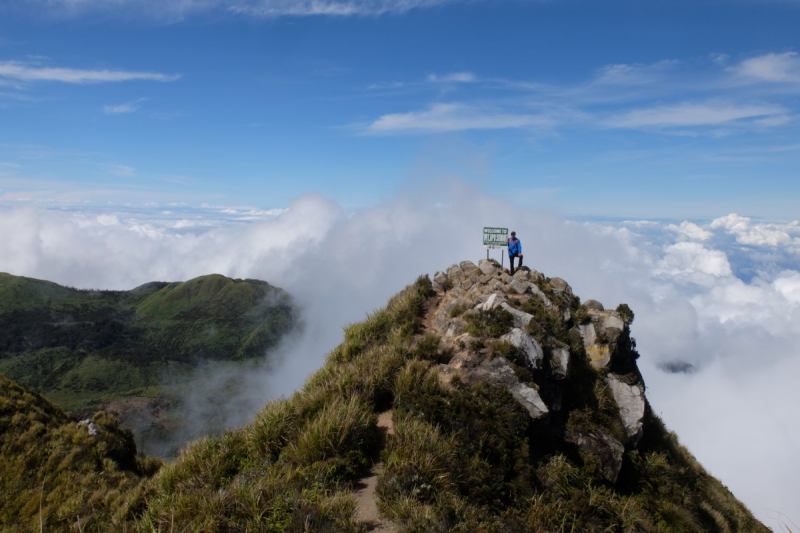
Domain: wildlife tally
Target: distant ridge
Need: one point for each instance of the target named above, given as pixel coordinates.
(84, 349)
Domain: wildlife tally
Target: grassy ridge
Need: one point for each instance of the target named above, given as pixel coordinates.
(466, 458)
(84, 349)
(463, 458)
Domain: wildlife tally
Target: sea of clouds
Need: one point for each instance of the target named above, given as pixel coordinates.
(717, 302)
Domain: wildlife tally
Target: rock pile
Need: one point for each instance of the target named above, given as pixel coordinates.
(525, 355)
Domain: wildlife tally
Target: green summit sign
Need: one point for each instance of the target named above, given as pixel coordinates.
(495, 237)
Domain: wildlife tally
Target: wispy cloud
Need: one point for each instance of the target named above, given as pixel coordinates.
(178, 9)
(458, 77)
(692, 114)
(26, 72)
(127, 107)
(777, 68)
(453, 117)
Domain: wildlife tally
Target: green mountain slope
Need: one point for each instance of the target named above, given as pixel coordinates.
(515, 407)
(135, 350)
(469, 451)
(60, 475)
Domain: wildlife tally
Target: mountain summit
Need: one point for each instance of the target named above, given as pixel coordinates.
(475, 401)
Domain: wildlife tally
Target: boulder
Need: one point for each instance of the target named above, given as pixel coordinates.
(526, 344)
(521, 318)
(505, 278)
(567, 314)
(529, 398)
(605, 448)
(560, 363)
(493, 301)
(613, 321)
(542, 296)
(535, 275)
(520, 286)
(630, 399)
(487, 266)
(486, 278)
(560, 285)
(439, 281)
(497, 371)
(594, 305)
(521, 275)
(467, 267)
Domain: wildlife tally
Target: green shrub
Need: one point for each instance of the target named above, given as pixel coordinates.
(625, 313)
(493, 323)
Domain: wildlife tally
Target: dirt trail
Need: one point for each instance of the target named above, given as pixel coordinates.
(366, 499)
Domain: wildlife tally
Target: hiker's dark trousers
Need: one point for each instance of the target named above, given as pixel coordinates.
(511, 262)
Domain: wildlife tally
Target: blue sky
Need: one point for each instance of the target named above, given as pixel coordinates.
(610, 109)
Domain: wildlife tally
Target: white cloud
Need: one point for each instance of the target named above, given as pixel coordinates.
(691, 114)
(460, 77)
(777, 68)
(690, 230)
(741, 337)
(127, 107)
(759, 234)
(453, 117)
(25, 72)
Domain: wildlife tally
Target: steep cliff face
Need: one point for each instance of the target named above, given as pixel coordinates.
(489, 402)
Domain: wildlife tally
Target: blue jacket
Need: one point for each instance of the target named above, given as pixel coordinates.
(514, 247)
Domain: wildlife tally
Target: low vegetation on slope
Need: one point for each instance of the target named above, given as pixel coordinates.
(57, 474)
(468, 453)
(84, 349)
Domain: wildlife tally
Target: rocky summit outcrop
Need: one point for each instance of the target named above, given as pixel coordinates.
(526, 332)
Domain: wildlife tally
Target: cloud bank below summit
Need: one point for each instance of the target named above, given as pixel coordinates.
(718, 301)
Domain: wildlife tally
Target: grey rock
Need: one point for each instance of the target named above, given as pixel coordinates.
(561, 285)
(560, 363)
(520, 274)
(456, 328)
(520, 286)
(542, 296)
(588, 334)
(468, 267)
(567, 314)
(90, 427)
(535, 275)
(529, 398)
(613, 321)
(521, 319)
(605, 448)
(493, 301)
(486, 278)
(497, 371)
(452, 304)
(526, 344)
(505, 278)
(467, 284)
(497, 285)
(631, 402)
(487, 266)
(593, 305)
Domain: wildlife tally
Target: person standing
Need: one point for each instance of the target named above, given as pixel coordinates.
(514, 250)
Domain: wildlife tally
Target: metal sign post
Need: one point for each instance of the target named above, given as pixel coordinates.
(495, 238)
